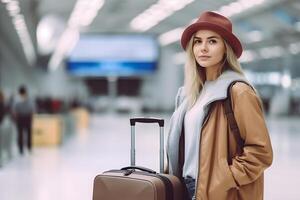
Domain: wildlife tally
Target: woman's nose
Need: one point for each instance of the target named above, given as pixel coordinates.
(204, 47)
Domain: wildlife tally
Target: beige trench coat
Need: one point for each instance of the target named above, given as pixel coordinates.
(244, 179)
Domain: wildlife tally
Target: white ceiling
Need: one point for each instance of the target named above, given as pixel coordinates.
(275, 18)
(116, 15)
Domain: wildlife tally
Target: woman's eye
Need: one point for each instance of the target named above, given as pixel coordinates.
(212, 41)
(197, 41)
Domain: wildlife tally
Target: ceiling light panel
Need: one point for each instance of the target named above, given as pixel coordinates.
(294, 48)
(82, 15)
(170, 36)
(248, 56)
(84, 12)
(239, 6)
(157, 13)
(140, 23)
(271, 52)
(14, 10)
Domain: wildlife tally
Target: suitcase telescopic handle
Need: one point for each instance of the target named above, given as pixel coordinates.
(147, 120)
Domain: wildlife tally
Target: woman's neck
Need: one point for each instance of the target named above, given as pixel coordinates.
(212, 73)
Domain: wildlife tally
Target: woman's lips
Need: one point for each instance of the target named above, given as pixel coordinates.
(203, 57)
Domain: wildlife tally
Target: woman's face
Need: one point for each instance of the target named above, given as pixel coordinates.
(208, 48)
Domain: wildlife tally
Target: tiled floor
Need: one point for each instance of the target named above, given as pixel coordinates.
(67, 173)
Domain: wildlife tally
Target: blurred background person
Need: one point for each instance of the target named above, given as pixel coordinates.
(2, 106)
(23, 111)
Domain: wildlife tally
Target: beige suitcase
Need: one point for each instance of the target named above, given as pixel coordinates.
(138, 183)
(46, 130)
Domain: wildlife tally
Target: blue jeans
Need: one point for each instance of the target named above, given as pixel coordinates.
(190, 186)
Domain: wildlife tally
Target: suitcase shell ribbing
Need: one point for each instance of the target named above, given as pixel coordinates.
(136, 186)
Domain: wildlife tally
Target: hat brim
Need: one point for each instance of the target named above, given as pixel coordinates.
(229, 37)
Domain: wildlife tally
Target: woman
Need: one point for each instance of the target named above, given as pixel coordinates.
(201, 147)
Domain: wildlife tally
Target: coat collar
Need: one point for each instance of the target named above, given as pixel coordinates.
(220, 85)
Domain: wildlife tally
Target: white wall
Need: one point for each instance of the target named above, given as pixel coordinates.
(58, 84)
(159, 91)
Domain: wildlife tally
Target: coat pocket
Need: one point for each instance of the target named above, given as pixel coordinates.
(221, 181)
(229, 181)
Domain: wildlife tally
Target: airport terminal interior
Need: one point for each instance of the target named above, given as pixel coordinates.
(88, 66)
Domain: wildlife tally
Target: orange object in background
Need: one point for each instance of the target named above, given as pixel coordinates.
(82, 117)
(47, 130)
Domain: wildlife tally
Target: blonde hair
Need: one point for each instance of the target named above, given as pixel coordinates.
(194, 74)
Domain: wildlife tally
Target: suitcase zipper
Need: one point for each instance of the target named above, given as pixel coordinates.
(165, 180)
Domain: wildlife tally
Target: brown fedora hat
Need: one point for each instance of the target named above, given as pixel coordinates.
(217, 23)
